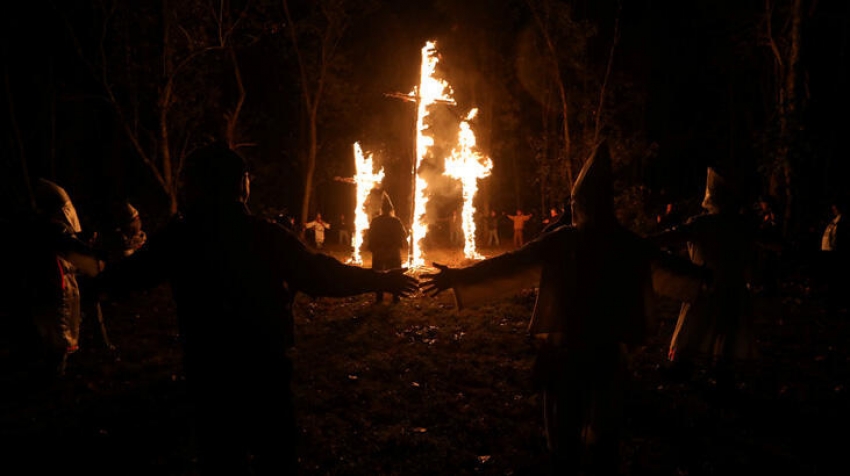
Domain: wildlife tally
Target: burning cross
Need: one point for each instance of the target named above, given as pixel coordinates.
(429, 92)
(467, 165)
(366, 180)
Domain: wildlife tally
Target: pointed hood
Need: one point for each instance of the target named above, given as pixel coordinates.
(386, 204)
(592, 195)
(719, 193)
(54, 203)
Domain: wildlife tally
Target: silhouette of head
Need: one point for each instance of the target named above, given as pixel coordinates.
(592, 200)
(719, 193)
(53, 203)
(214, 174)
(386, 205)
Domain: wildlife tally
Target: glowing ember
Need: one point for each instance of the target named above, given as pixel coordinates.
(365, 180)
(467, 165)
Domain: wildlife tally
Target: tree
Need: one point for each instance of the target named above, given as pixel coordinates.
(574, 87)
(157, 84)
(786, 47)
(315, 41)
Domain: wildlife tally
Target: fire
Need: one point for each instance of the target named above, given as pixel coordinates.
(467, 165)
(431, 90)
(365, 179)
(464, 163)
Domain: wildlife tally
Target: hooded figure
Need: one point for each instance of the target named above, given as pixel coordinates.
(49, 295)
(387, 237)
(595, 281)
(234, 277)
(716, 329)
(54, 204)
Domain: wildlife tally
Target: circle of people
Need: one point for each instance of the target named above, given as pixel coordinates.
(594, 279)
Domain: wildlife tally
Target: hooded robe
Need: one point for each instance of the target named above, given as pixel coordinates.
(49, 258)
(595, 282)
(716, 326)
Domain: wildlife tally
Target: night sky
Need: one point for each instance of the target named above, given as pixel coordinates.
(694, 82)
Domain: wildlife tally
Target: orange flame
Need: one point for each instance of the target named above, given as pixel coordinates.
(467, 165)
(464, 163)
(365, 180)
(430, 91)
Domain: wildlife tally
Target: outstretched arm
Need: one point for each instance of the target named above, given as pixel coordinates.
(435, 283)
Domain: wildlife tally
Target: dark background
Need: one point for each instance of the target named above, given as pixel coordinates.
(694, 84)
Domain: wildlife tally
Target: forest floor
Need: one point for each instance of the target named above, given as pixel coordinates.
(418, 388)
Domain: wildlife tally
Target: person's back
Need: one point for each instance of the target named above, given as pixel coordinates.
(225, 273)
(233, 278)
(387, 237)
(594, 281)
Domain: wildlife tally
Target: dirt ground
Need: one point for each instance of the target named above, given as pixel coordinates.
(418, 388)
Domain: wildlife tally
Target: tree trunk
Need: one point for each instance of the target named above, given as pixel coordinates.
(788, 114)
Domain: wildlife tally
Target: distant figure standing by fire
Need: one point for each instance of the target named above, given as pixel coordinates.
(519, 220)
(455, 229)
(343, 231)
(595, 280)
(553, 217)
(493, 229)
(234, 277)
(318, 226)
(387, 237)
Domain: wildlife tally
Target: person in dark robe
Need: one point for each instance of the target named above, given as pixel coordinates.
(234, 277)
(715, 331)
(387, 238)
(595, 282)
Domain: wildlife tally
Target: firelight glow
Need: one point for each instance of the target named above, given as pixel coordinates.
(467, 165)
(464, 164)
(365, 180)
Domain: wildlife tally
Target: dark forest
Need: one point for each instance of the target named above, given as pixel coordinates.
(107, 98)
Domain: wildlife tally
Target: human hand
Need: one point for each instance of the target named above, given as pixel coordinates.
(435, 283)
(395, 281)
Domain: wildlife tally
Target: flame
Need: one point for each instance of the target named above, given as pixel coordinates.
(464, 163)
(431, 90)
(467, 165)
(365, 180)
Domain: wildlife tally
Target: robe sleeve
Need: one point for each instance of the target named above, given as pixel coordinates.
(502, 276)
(676, 277)
(499, 287)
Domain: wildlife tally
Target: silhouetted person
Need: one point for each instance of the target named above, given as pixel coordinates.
(493, 238)
(387, 237)
(519, 220)
(319, 226)
(343, 232)
(553, 218)
(455, 229)
(595, 280)
(234, 277)
(716, 330)
(48, 257)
